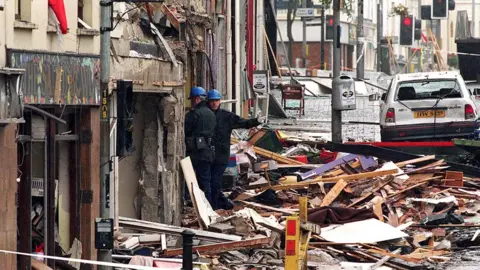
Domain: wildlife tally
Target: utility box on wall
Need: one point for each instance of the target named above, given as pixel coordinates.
(343, 93)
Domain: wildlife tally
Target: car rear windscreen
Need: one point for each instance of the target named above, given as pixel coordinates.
(428, 89)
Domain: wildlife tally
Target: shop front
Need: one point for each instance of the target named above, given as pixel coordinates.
(58, 152)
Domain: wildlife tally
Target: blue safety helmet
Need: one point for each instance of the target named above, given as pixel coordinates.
(214, 94)
(197, 91)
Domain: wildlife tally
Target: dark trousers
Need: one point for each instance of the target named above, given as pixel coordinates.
(204, 178)
(219, 200)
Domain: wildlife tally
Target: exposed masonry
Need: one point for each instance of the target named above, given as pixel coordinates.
(163, 148)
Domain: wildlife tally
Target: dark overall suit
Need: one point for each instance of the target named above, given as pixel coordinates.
(226, 122)
(199, 130)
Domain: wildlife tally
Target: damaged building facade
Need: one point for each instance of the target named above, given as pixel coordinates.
(50, 137)
(50, 113)
(164, 49)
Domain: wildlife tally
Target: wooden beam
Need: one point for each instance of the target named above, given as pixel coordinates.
(372, 192)
(8, 190)
(334, 192)
(74, 169)
(223, 247)
(335, 179)
(413, 161)
(90, 181)
(423, 182)
(25, 195)
(49, 197)
(269, 208)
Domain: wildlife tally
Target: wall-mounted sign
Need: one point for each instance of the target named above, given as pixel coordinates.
(305, 12)
(58, 78)
(260, 81)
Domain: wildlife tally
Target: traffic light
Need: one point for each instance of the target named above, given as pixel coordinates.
(329, 29)
(418, 29)
(406, 30)
(451, 4)
(124, 118)
(439, 9)
(426, 12)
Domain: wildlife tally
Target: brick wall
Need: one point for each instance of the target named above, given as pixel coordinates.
(313, 56)
(313, 53)
(8, 189)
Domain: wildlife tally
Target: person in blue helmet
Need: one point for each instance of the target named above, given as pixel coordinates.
(200, 125)
(226, 122)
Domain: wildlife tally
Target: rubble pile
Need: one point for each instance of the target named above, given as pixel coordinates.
(355, 211)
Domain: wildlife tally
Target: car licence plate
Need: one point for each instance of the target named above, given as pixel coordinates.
(429, 114)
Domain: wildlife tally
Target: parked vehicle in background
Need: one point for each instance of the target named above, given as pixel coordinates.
(474, 88)
(427, 106)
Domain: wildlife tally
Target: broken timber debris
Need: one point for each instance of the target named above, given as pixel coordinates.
(371, 211)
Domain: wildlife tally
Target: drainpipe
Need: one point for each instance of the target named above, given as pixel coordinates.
(229, 52)
(238, 88)
(250, 39)
(260, 42)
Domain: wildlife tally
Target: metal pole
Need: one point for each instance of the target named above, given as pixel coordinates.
(336, 115)
(187, 262)
(260, 41)
(105, 24)
(304, 44)
(230, 73)
(474, 34)
(360, 54)
(322, 40)
(238, 85)
(379, 34)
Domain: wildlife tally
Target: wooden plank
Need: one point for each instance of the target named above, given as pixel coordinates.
(413, 161)
(401, 257)
(223, 247)
(425, 253)
(373, 258)
(372, 192)
(377, 207)
(24, 195)
(203, 208)
(273, 209)
(385, 259)
(335, 179)
(49, 188)
(338, 172)
(414, 186)
(334, 192)
(201, 222)
(90, 181)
